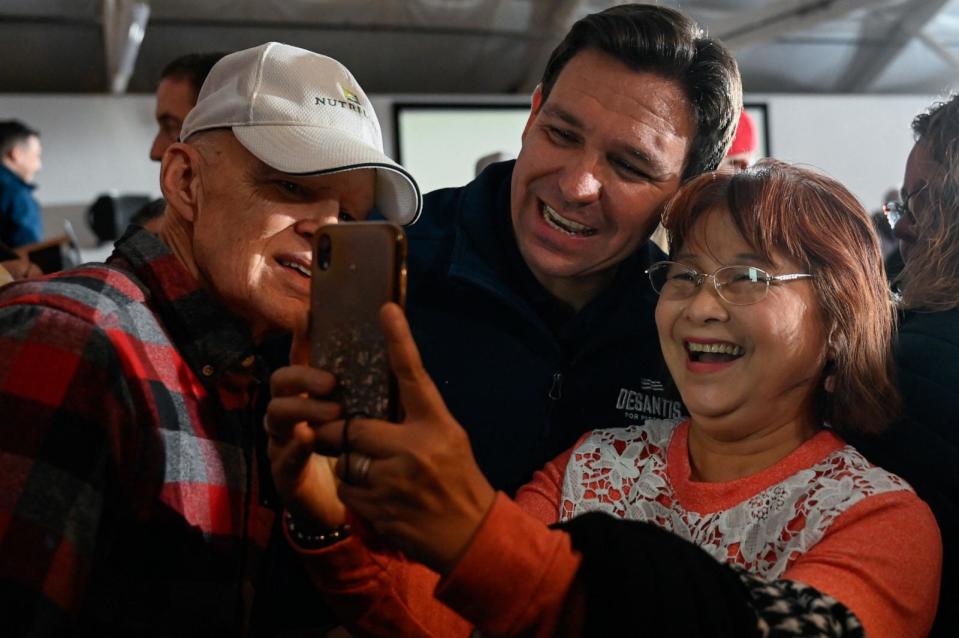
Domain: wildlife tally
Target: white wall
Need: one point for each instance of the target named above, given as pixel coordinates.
(94, 144)
(862, 141)
(91, 145)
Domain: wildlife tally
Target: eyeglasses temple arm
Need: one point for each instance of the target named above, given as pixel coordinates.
(791, 277)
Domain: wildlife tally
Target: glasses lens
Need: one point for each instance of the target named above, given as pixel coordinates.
(674, 280)
(742, 284)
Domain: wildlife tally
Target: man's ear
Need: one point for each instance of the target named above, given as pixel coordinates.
(536, 104)
(180, 179)
(12, 154)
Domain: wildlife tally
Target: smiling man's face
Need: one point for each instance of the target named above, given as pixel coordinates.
(253, 228)
(600, 157)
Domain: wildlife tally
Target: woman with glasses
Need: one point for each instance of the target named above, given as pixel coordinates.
(751, 517)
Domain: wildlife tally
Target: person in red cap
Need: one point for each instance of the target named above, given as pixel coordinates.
(742, 153)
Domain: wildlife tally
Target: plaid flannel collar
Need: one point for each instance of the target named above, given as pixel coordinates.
(210, 338)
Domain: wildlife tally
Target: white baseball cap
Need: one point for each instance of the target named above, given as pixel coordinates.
(302, 113)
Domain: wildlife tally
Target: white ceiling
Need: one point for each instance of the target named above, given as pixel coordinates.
(473, 46)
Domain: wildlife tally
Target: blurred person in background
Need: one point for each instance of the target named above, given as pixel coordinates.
(176, 94)
(924, 447)
(20, 150)
(742, 152)
(14, 267)
(888, 241)
(490, 158)
(177, 91)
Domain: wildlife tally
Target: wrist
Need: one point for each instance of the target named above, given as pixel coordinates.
(461, 534)
(308, 536)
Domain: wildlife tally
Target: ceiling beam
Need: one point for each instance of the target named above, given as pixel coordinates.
(870, 60)
(756, 26)
(554, 18)
(940, 49)
(124, 25)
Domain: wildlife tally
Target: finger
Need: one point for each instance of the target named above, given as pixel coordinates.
(381, 479)
(297, 449)
(297, 380)
(418, 393)
(283, 413)
(378, 439)
(354, 468)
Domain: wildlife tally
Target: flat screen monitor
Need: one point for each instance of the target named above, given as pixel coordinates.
(441, 143)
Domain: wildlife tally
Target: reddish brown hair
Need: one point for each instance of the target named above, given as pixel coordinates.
(816, 222)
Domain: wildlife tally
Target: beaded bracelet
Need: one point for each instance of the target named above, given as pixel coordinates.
(305, 538)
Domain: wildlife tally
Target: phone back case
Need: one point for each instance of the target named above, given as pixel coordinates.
(357, 267)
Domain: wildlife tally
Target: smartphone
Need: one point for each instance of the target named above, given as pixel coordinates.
(357, 267)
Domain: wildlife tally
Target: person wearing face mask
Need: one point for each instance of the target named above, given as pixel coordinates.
(136, 493)
(752, 517)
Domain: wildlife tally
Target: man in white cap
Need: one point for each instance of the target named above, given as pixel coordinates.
(135, 491)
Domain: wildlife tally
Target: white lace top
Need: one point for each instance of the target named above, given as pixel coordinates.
(624, 472)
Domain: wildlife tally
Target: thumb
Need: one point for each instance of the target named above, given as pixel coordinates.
(418, 393)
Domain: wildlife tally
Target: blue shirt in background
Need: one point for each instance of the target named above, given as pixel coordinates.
(20, 221)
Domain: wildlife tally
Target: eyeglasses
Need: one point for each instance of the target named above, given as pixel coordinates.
(895, 211)
(738, 285)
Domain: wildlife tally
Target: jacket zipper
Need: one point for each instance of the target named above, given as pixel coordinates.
(556, 389)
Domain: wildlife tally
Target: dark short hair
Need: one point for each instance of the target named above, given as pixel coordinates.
(193, 67)
(815, 221)
(667, 43)
(13, 132)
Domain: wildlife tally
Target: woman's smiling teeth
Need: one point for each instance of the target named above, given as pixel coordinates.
(298, 267)
(565, 225)
(713, 352)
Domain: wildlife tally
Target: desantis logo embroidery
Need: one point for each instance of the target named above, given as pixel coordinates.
(351, 101)
(637, 405)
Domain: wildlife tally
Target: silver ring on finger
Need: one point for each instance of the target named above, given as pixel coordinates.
(354, 468)
(363, 463)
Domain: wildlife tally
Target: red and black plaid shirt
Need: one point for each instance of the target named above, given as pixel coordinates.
(130, 499)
